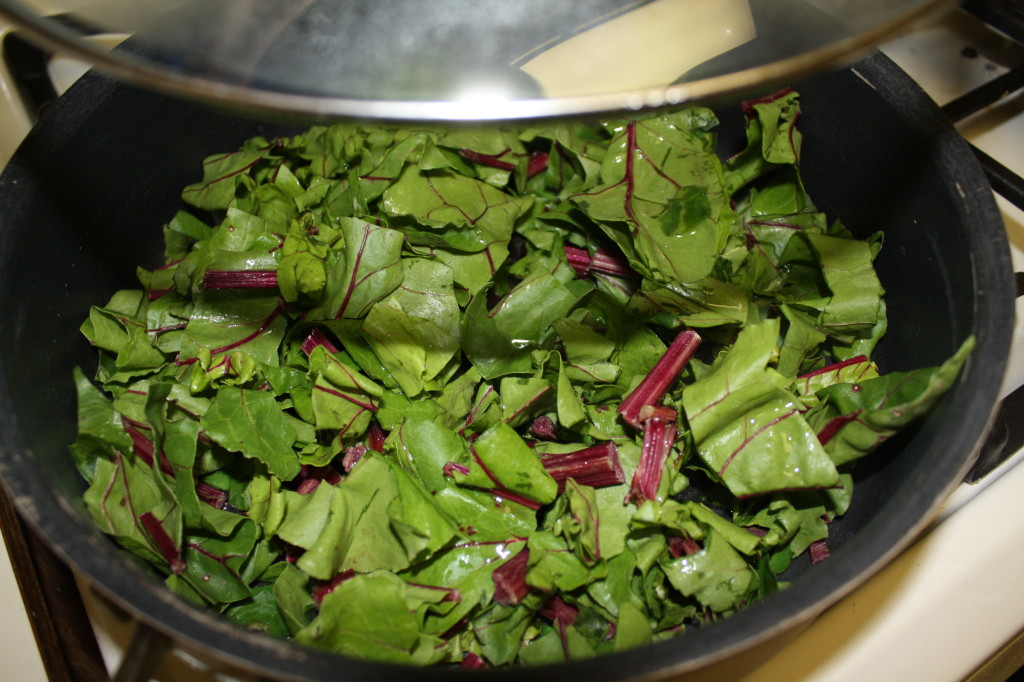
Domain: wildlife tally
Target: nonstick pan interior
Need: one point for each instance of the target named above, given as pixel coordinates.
(84, 199)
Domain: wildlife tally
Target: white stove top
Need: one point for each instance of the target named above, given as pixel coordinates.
(946, 606)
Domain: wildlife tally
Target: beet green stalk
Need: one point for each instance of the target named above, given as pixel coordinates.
(657, 382)
(317, 338)
(240, 279)
(163, 541)
(597, 466)
(659, 435)
(510, 579)
(602, 262)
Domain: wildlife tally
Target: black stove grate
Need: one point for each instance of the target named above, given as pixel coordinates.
(1006, 17)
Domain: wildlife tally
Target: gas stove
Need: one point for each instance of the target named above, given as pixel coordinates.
(949, 608)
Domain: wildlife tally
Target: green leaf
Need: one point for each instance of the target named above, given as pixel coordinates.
(499, 630)
(301, 277)
(368, 524)
(424, 446)
(583, 345)
(578, 521)
(848, 372)
(801, 340)
(252, 423)
(304, 516)
(772, 139)
(570, 408)
(292, 594)
(342, 397)
(616, 589)
(472, 271)
(526, 314)
(260, 613)
(190, 226)
(415, 330)
(226, 320)
(492, 352)
(125, 334)
(479, 213)
(367, 270)
(122, 489)
(850, 274)
(486, 518)
(100, 428)
(553, 566)
(223, 175)
(457, 396)
(747, 428)
(662, 199)
(394, 408)
(524, 398)
(550, 649)
(180, 445)
(857, 417)
(213, 564)
(419, 523)
(502, 460)
(369, 616)
(632, 628)
(705, 303)
(717, 576)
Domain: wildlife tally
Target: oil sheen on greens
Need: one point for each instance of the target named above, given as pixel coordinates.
(326, 416)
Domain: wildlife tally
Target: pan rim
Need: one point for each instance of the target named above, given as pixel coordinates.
(97, 559)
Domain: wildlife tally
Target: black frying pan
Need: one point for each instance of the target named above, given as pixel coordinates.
(84, 199)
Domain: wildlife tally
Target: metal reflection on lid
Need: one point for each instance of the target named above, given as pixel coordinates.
(418, 59)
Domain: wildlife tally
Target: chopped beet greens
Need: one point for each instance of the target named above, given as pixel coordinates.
(489, 397)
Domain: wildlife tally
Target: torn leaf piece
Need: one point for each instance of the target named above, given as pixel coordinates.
(748, 429)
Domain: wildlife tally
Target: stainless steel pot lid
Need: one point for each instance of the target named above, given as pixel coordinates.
(464, 59)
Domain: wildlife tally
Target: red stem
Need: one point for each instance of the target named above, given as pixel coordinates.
(323, 589)
(240, 279)
(818, 551)
(375, 438)
(317, 338)
(472, 662)
(143, 448)
(659, 436)
(544, 428)
(597, 466)
(601, 262)
(510, 580)
(682, 545)
(168, 548)
(657, 382)
(352, 456)
(491, 160)
(835, 367)
(562, 615)
(215, 497)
